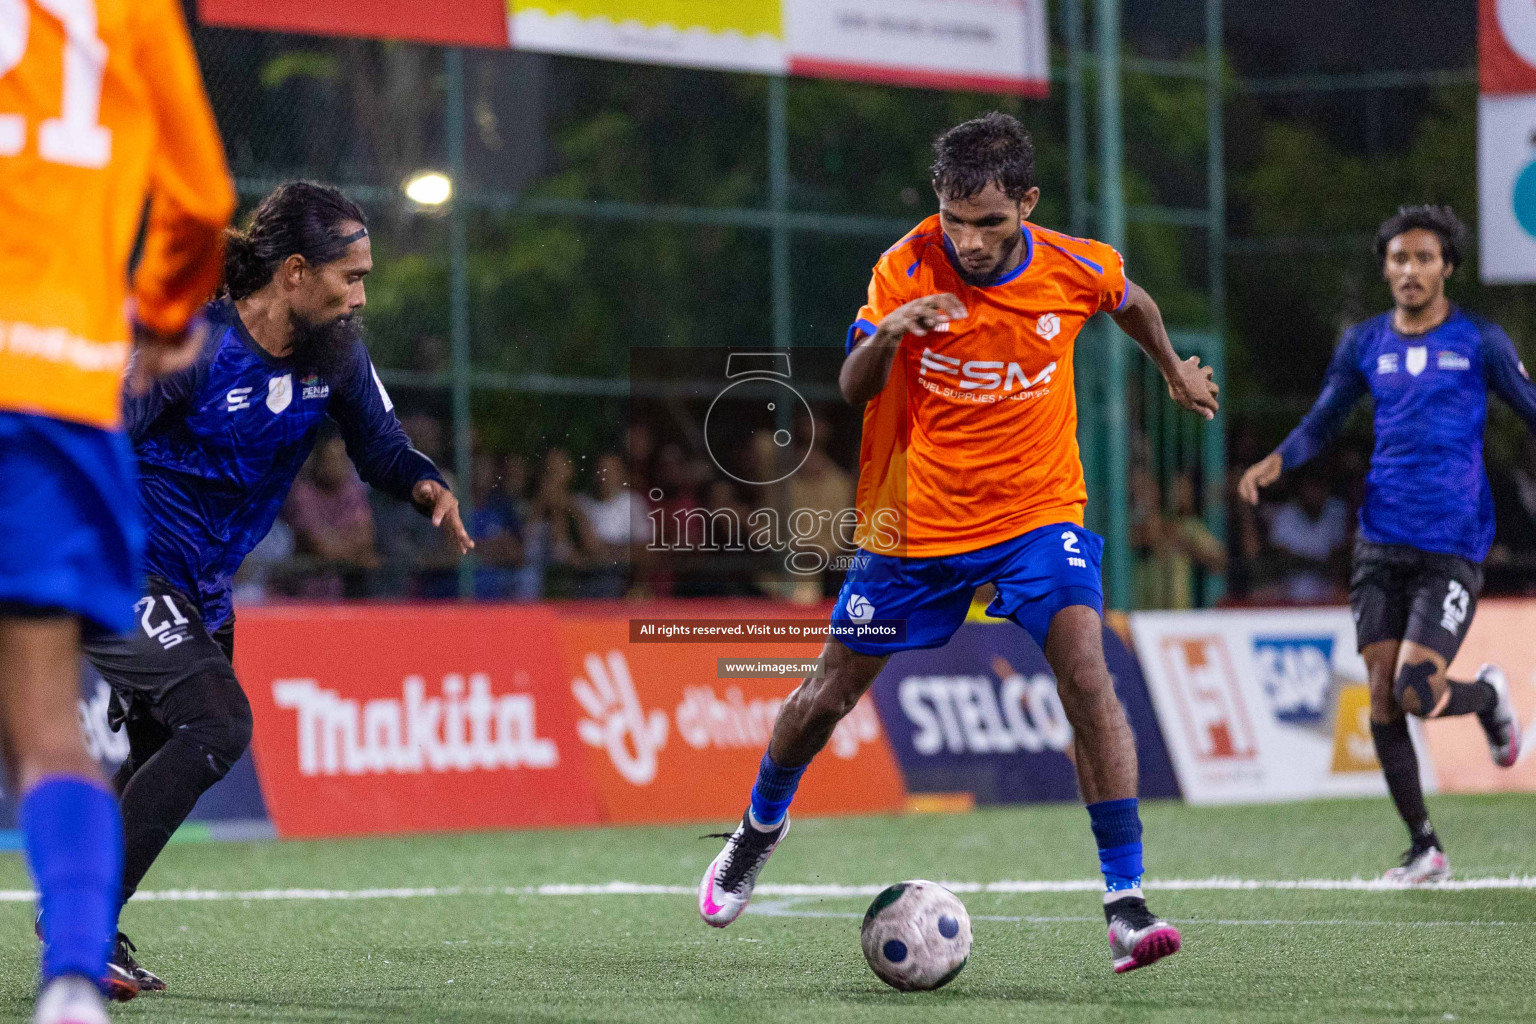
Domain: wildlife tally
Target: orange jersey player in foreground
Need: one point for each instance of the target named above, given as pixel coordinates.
(970, 474)
(101, 108)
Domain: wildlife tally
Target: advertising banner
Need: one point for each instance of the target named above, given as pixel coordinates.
(984, 45)
(1506, 141)
(406, 719)
(989, 45)
(459, 23)
(1503, 632)
(1266, 705)
(669, 741)
(981, 715)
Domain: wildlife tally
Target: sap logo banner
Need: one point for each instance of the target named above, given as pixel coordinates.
(1296, 675)
(982, 715)
(1263, 705)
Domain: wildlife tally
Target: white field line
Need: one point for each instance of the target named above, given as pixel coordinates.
(805, 890)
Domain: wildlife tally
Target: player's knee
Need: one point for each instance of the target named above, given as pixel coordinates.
(1414, 688)
(835, 695)
(224, 730)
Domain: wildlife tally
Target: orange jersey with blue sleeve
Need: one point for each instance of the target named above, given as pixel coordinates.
(101, 108)
(973, 440)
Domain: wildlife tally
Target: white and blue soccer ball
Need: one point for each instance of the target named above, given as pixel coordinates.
(916, 936)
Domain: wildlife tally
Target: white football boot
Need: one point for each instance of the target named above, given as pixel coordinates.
(1137, 937)
(1420, 866)
(1500, 723)
(726, 888)
(70, 1000)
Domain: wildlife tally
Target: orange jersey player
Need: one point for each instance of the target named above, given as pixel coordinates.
(969, 474)
(973, 440)
(101, 109)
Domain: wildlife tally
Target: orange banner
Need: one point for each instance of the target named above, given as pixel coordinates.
(671, 742)
(1503, 632)
(411, 718)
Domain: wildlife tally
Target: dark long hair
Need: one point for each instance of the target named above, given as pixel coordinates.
(302, 217)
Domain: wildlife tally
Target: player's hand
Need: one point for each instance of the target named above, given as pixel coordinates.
(439, 502)
(1261, 474)
(1194, 387)
(157, 355)
(922, 315)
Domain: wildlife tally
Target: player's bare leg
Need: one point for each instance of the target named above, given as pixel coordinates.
(1106, 771)
(804, 725)
(66, 805)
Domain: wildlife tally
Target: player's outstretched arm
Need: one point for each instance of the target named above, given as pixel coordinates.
(868, 366)
(1507, 376)
(1191, 385)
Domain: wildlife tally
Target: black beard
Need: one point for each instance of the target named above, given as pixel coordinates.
(981, 281)
(323, 348)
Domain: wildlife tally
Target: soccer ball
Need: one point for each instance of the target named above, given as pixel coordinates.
(916, 936)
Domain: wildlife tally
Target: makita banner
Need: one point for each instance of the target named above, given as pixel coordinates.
(981, 715)
(405, 719)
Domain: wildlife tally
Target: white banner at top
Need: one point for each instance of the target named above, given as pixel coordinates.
(981, 45)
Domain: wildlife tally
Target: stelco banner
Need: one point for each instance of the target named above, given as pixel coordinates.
(1506, 140)
(985, 45)
(981, 715)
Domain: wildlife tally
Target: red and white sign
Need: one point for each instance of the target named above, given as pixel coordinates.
(1259, 706)
(1209, 702)
(1506, 43)
(1506, 141)
(408, 719)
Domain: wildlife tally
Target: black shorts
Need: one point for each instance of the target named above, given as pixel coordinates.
(1401, 593)
(167, 646)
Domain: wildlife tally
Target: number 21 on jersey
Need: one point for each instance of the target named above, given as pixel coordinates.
(76, 137)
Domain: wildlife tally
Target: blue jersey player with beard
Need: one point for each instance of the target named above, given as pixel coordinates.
(1427, 521)
(219, 445)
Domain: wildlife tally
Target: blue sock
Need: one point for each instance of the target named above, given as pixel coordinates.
(1117, 828)
(74, 839)
(774, 790)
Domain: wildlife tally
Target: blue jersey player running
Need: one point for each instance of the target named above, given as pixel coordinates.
(219, 445)
(1427, 521)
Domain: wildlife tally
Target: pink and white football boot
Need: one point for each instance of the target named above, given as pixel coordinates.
(1500, 722)
(726, 888)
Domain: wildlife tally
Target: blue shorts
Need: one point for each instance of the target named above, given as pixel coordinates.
(70, 535)
(1036, 575)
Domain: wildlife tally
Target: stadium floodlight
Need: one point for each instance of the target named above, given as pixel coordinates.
(429, 188)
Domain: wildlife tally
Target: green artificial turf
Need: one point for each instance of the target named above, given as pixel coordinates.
(479, 956)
